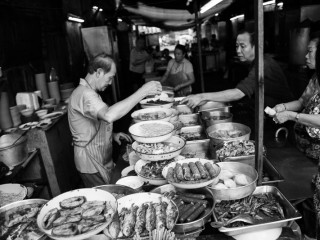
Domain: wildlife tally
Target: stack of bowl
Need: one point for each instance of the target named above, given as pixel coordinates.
(66, 89)
(150, 146)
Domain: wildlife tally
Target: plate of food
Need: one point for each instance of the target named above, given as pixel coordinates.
(151, 131)
(28, 125)
(53, 115)
(12, 192)
(141, 213)
(165, 150)
(162, 102)
(149, 114)
(18, 220)
(151, 172)
(77, 214)
(191, 173)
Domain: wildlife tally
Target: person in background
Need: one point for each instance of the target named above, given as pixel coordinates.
(179, 73)
(138, 58)
(90, 120)
(276, 86)
(307, 127)
(166, 56)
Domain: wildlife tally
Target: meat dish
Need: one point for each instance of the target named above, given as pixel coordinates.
(154, 169)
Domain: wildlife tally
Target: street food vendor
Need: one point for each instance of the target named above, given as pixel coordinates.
(179, 73)
(90, 120)
(276, 86)
(307, 127)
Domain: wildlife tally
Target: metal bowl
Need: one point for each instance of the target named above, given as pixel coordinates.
(214, 117)
(135, 131)
(153, 181)
(168, 114)
(198, 223)
(238, 192)
(215, 106)
(184, 109)
(214, 142)
(116, 188)
(179, 142)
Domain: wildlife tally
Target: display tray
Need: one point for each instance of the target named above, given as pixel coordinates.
(290, 213)
(271, 172)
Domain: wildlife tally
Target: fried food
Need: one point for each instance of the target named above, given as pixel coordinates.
(48, 219)
(203, 172)
(90, 228)
(186, 172)
(213, 173)
(194, 171)
(93, 211)
(170, 175)
(129, 221)
(65, 230)
(114, 227)
(141, 219)
(90, 204)
(171, 214)
(72, 202)
(179, 172)
(66, 219)
(150, 217)
(74, 211)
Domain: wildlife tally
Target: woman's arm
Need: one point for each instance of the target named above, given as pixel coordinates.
(190, 80)
(295, 106)
(311, 120)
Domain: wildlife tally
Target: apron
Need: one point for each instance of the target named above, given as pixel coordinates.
(174, 79)
(308, 138)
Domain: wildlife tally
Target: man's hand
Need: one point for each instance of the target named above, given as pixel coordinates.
(151, 88)
(117, 137)
(192, 100)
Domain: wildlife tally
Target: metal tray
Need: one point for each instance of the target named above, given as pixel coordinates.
(198, 148)
(23, 203)
(194, 129)
(189, 119)
(291, 214)
(274, 175)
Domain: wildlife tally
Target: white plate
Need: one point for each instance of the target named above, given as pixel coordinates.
(191, 185)
(126, 170)
(137, 134)
(168, 113)
(179, 142)
(28, 125)
(269, 234)
(53, 115)
(131, 181)
(91, 195)
(12, 192)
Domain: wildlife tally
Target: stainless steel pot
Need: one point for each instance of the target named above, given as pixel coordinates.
(214, 117)
(215, 106)
(13, 154)
(238, 192)
(187, 228)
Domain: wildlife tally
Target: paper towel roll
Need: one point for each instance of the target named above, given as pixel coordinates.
(41, 85)
(54, 91)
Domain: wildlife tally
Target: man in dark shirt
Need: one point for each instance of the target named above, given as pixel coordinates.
(276, 86)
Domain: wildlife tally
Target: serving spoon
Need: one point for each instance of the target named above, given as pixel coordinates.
(239, 218)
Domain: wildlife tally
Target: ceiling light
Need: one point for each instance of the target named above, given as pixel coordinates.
(100, 10)
(217, 14)
(95, 8)
(280, 4)
(269, 3)
(209, 5)
(236, 17)
(119, 20)
(75, 18)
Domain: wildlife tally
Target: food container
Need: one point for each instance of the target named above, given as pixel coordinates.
(13, 154)
(214, 142)
(12, 192)
(90, 194)
(178, 142)
(133, 182)
(140, 136)
(145, 103)
(36, 233)
(196, 149)
(215, 106)
(186, 228)
(153, 181)
(214, 117)
(291, 214)
(189, 119)
(136, 119)
(117, 189)
(238, 192)
(192, 185)
(193, 130)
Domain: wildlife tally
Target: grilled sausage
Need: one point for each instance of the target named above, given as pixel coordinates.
(196, 213)
(191, 200)
(182, 218)
(186, 171)
(189, 211)
(203, 172)
(170, 175)
(194, 170)
(211, 170)
(191, 195)
(179, 172)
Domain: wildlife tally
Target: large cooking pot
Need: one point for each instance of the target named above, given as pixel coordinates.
(11, 153)
(215, 106)
(214, 117)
